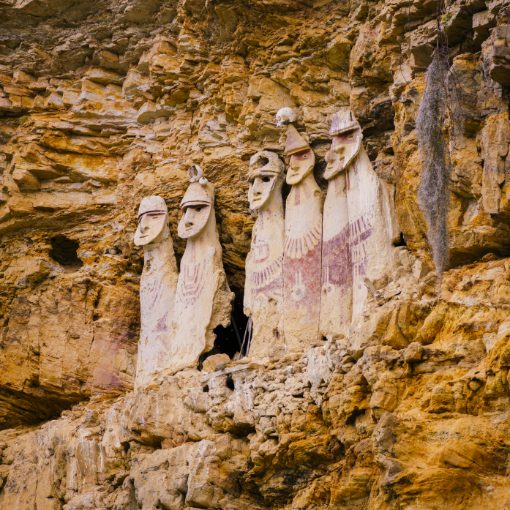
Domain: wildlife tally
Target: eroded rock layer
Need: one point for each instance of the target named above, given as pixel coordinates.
(104, 102)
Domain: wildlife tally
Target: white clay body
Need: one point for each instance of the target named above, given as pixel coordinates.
(302, 264)
(157, 295)
(372, 229)
(263, 297)
(203, 299)
(157, 289)
(336, 291)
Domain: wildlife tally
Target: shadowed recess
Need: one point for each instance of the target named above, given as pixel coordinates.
(64, 251)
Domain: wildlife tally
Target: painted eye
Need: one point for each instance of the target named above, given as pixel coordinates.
(266, 178)
(195, 208)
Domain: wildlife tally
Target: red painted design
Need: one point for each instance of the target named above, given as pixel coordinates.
(302, 282)
(359, 231)
(336, 260)
(191, 283)
(345, 254)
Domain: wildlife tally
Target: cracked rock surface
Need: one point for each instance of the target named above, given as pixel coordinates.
(102, 103)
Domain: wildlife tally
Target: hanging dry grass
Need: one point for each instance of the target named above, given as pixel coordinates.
(433, 145)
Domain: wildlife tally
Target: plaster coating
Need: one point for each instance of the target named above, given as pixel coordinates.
(157, 288)
(302, 249)
(263, 292)
(203, 298)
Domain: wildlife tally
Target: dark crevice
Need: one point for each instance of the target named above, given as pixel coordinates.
(65, 251)
(352, 417)
(229, 340)
(33, 405)
(400, 241)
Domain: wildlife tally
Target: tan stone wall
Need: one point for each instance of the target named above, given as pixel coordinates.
(104, 102)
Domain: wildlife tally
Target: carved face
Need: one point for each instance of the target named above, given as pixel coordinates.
(344, 148)
(266, 172)
(150, 226)
(194, 220)
(300, 165)
(260, 190)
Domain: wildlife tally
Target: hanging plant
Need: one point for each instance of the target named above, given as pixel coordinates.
(433, 191)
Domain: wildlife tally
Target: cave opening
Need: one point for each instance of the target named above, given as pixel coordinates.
(229, 340)
(65, 251)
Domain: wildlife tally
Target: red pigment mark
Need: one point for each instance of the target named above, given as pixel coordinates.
(337, 261)
(359, 231)
(192, 282)
(302, 281)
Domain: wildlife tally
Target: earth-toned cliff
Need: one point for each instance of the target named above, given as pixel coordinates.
(104, 102)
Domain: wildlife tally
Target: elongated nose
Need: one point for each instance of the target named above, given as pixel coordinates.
(189, 217)
(257, 188)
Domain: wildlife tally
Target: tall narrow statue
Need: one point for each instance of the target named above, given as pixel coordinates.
(203, 299)
(263, 294)
(157, 288)
(302, 248)
(372, 221)
(337, 264)
(366, 204)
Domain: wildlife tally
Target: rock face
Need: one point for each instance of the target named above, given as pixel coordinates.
(103, 103)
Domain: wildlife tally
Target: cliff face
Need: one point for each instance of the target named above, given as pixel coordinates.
(104, 102)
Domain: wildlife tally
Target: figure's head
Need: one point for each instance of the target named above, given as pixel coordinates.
(152, 221)
(300, 165)
(302, 158)
(265, 176)
(196, 204)
(346, 142)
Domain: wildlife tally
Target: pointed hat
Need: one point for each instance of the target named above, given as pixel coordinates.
(295, 142)
(198, 194)
(343, 121)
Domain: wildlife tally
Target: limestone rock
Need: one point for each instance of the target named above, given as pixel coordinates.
(103, 103)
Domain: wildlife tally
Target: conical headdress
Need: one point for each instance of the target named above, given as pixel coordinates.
(152, 203)
(295, 142)
(342, 122)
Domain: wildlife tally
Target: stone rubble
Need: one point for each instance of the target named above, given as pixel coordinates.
(103, 103)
